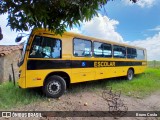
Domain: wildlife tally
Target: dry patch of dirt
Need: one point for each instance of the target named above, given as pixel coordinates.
(93, 101)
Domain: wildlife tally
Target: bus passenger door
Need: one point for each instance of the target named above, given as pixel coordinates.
(82, 66)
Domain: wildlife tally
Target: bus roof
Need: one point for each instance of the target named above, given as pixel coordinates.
(77, 35)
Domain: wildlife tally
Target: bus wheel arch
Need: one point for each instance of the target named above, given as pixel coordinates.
(130, 73)
(64, 75)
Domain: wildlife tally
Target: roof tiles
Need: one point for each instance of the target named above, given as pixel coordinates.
(7, 49)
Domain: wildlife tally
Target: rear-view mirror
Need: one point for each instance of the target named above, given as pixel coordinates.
(18, 39)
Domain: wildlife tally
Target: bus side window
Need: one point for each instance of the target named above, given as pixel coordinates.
(119, 51)
(82, 47)
(75, 54)
(102, 49)
(131, 53)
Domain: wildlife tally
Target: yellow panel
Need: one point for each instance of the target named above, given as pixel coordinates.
(35, 78)
(82, 74)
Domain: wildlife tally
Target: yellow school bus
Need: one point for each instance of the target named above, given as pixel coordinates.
(53, 61)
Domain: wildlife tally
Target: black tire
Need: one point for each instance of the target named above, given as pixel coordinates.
(54, 86)
(130, 74)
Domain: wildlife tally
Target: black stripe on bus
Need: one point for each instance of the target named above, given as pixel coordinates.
(63, 64)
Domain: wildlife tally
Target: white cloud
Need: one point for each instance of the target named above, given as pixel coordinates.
(157, 28)
(127, 2)
(102, 27)
(146, 3)
(141, 3)
(8, 35)
(152, 44)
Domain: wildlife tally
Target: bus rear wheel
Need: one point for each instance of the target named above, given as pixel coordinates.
(130, 74)
(54, 86)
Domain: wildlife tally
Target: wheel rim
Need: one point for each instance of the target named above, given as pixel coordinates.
(54, 87)
(130, 75)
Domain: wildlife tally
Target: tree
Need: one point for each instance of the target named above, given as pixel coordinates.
(56, 15)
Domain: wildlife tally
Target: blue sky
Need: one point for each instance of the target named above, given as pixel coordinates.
(135, 24)
(135, 21)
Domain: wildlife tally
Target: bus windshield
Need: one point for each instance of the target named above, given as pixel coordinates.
(45, 47)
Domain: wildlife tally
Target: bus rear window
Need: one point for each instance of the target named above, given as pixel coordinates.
(133, 53)
(140, 54)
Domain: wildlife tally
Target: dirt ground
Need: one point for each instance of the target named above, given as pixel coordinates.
(93, 101)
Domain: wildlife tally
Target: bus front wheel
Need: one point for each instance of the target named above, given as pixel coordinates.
(54, 86)
(130, 74)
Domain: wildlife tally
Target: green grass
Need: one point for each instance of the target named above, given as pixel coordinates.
(11, 96)
(141, 86)
(154, 64)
